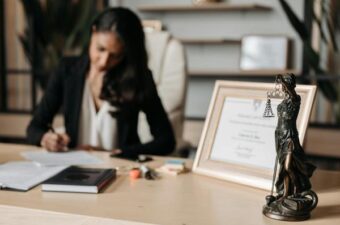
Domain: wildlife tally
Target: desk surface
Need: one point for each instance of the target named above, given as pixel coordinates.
(188, 199)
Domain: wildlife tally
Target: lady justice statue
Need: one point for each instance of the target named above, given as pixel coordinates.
(295, 199)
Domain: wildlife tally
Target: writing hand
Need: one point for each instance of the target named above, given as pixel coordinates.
(55, 142)
(116, 152)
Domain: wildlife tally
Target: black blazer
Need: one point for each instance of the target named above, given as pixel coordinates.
(65, 88)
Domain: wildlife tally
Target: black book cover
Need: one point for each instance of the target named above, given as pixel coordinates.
(78, 179)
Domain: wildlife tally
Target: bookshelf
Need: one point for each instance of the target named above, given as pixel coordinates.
(228, 73)
(205, 7)
(209, 41)
(212, 32)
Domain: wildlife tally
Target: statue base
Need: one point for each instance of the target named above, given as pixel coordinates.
(284, 216)
(291, 208)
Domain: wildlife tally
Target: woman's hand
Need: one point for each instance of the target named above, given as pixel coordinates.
(116, 152)
(55, 142)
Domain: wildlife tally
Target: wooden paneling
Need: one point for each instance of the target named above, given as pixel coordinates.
(14, 125)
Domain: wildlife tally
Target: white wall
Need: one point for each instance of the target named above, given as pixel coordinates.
(220, 24)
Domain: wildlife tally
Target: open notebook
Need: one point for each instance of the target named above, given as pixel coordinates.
(23, 175)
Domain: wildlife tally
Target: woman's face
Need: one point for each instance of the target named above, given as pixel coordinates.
(106, 50)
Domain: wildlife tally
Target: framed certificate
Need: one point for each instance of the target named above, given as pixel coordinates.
(237, 142)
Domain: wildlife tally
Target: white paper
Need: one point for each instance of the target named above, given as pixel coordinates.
(23, 175)
(244, 136)
(61, 158)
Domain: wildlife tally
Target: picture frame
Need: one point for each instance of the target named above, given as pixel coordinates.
(265, 52)
(237, 144)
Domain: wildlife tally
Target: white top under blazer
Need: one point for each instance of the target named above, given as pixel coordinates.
(98, 129)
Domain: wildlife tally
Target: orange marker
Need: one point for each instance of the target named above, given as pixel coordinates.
(134, 173)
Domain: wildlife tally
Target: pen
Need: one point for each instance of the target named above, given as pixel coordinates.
(50, 127)
(60, 139)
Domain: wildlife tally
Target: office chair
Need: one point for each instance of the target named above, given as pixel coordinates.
(167, 62)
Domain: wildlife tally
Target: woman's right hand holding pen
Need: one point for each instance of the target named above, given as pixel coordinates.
(55, 142)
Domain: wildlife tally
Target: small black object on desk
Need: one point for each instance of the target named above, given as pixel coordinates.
(133, 157)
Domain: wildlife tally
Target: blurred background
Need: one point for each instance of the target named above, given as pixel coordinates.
(295, 36)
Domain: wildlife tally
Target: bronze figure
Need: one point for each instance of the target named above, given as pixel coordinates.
(295, 199)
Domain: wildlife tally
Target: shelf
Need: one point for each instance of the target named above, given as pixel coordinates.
(205, 7)
(194, 41)
(226, 73)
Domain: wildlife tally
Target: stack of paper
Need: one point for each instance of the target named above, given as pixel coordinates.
(23, 175)
(61, 158)
(172, 167)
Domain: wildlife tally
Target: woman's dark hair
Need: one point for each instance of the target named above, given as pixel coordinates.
(124, 83)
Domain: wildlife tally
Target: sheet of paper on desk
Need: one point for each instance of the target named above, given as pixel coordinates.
(23, 175)
(61, 158)
(9, 215)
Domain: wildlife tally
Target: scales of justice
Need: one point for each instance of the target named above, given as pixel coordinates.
(294, 199)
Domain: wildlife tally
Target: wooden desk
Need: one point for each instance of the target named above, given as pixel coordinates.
(188, 199)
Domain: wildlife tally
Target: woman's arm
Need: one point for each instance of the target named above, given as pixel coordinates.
(163, 142)
(47, 108)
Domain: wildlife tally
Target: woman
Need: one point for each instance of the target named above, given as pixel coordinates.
(294, 171)
(103, 92)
